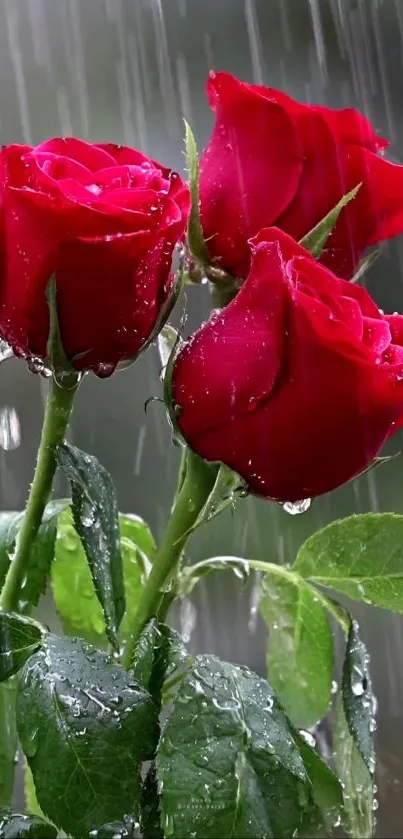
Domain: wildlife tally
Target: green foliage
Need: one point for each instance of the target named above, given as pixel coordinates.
(19, 826)
(360, 556)
(95, 514)
(19, 639)
(353, 747)
(316, 239)
(41, 553)
(196, 243)
(85, 725)
(72, 583)
(8, 740)
(229, 764)
(300, 654)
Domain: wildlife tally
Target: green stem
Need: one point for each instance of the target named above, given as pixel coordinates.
(57, 414)
(199, 480)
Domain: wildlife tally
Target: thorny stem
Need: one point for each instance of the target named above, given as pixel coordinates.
(57, 414)
(198, 481)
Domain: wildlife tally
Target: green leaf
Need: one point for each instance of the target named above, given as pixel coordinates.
(19, 639)
(358, 701)
(10, 523)
(316, 239)
(95, 514)
(8, 740)
(158, 653)
(19, 826)
(327, 792)
(197, 245)
(31, 801)
(300, 654)
(360, 556)
(150, 807)
(228, 488)
(138, 547)
(227, 761)
(72, 583)
(353, 748)
(42, 550)
(85, 726)
(356, 781)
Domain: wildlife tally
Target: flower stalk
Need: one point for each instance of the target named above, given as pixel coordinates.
(57, 415)
(198, 481)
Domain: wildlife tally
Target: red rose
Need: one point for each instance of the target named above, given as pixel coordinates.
(297, 382)
(272, 160)
(103, 219)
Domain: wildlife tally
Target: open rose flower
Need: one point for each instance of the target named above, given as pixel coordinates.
(297, 383)
(274, 161)
(103, 220)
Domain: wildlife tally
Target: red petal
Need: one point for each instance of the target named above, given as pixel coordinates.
(249, 171)
(93, 157)
(234, 360)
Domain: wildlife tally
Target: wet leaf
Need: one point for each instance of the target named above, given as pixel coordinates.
(19, 639)
(85, 725)
(300, 655)
(42, 550)
(316, 239)
(9, 526)
(31, 801)
(327, 792)
(19, 826)
(358, 700)
(196, 243)
(95, 514)
(150, 807)
(157, 654)
(360, 556)
(72, 583)
(228, 762)
(356, 781)
(227, 489)
(8, 740)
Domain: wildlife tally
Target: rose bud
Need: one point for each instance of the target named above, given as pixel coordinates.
(297, 383)
(274, 161)
(102, 220)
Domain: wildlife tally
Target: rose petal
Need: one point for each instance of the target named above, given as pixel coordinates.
(249, 171)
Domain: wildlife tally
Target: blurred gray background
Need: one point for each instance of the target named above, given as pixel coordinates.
(128, 70)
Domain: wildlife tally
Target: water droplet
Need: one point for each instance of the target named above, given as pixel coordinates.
(358, 689)
(37, 365)
(295, 508)
(5, 350)
(10, 432)
(308, 737)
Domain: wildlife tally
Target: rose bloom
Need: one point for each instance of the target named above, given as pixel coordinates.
(298, 382)
(103, 220)
(274, 161)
